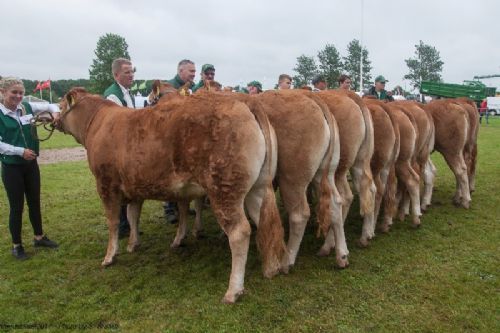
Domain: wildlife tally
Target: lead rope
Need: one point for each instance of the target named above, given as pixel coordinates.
(48, 125)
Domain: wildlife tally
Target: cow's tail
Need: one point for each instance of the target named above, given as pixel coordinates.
(367, 186)
(328, 194)
(270, 233)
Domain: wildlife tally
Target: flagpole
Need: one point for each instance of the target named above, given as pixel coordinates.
(40, 92)
(50, 90)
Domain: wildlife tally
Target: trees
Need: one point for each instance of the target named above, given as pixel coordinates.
(330, 65)
(352, 61)
(109, 47)
(306, 68)
(425, 66)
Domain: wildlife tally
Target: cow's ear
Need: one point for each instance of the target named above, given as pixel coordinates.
(71, 98)
(156, 87)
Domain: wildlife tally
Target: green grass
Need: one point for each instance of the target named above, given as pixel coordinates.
(443, 277)
(57, 140)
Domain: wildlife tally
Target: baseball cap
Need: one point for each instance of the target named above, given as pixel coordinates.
(206, 67)
(255, 84)
(380, 78)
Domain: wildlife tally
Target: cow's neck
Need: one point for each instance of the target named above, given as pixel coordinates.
(84, 120)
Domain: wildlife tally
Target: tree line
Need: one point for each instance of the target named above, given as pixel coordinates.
(425, 65)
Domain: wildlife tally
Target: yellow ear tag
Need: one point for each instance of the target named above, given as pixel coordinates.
(71, 100)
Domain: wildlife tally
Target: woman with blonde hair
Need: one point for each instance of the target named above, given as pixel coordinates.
(19, 149)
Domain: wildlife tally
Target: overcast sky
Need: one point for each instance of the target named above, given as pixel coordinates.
(247, 40)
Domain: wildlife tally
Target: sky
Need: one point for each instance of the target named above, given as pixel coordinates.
(247, 40)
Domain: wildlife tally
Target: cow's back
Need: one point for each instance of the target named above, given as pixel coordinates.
(178, 148)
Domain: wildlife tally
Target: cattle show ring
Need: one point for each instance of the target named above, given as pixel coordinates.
(303, 200)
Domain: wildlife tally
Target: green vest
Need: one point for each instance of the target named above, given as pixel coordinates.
(115, 89)
(198, 86)
(176, 82)
(13, 133)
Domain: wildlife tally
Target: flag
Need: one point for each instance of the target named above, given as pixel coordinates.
(45, 85)
(142, 86)
(38, 87)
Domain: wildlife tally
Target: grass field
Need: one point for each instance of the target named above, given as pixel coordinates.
(443, 277)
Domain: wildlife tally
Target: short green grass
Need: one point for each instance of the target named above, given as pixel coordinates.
(56, 140)
(443, 277)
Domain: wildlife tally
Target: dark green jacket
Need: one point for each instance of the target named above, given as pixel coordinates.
(13, 133)
(115, 89)
(177, 83)
(197, 86)
(383, 94)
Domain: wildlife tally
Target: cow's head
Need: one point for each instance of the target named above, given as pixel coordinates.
(77, 107)
(158, 90)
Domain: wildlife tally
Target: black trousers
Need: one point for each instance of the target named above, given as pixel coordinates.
(22, 180)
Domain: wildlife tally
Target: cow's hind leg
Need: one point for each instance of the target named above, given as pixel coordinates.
(183, 207)
(112, 212)
(410, 179)
(457, 165)
(235, 225)
(429, 177)
(133, 216)
(198, 225)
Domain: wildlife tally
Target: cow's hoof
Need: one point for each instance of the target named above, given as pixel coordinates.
(175, 245)
(363, 243)
(132, 247)
(385, 228)
(107, 262)
(342, 262)
(466, 204)
(416, 224)
(199, 235)
(231, 298)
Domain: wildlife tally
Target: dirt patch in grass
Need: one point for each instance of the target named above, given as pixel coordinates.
(48, 156)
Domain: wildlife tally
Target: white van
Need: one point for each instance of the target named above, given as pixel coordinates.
(493, 104)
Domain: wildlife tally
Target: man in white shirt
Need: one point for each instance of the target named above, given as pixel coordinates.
(118, 92)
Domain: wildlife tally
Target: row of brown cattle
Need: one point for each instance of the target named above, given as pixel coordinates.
(230, 146)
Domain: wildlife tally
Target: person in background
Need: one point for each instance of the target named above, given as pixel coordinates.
(254, 87)
(19, 148)
(119, 92)
(378, 90)
(186, 71)
(319, 83)
(284, 82)
(207, 74)
(483, 110)
(345, 82)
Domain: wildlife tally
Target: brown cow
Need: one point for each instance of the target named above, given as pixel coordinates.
(308, 152)
(470, 149)
(180, 150)
(402, 174)
(424, 145)
(451, 121)
(386, 150)
(356, 150)
(307, 135)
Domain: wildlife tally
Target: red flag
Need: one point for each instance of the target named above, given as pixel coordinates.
(38, 87)
(45, 85)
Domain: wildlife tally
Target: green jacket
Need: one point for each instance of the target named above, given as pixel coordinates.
(16, 134)
(197, 86)
(383, 94)
(177, 83)
(115, 89)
